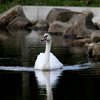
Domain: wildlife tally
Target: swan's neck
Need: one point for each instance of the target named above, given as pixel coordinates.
(48, 47)
(47, 55)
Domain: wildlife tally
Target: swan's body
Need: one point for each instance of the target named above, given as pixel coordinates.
(47, 60)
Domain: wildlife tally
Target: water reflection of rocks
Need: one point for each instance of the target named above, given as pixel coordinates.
(11, 43)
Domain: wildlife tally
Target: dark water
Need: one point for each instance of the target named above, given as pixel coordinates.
(79, 79)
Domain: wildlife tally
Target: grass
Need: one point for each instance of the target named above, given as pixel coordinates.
(7, 4)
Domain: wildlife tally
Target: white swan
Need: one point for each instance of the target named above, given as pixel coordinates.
(47, 60)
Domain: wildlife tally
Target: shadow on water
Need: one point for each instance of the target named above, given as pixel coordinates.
(79, 79)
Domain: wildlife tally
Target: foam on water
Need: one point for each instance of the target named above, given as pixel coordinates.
(72, 67)
(17, 68)
(79, 66)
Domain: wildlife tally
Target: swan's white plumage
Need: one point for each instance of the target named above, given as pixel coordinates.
(47, 60)
(54, 62)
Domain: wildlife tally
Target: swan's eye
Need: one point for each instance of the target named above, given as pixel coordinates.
(46, 36)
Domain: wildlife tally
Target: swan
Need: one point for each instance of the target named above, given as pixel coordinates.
(46, 60)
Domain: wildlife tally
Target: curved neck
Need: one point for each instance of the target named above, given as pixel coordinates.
(48, 47)
(47, 55)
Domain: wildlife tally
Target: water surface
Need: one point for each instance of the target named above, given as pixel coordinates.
(79, 79)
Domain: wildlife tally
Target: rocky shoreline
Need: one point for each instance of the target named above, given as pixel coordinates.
(76, 25)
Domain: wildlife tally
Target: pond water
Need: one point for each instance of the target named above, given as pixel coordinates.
(79, 79)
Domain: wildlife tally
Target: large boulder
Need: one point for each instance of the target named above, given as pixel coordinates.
(78, 22)
(74, 26)
(9, 15)
(58, 14)
(58, 27)
(19, 22)
(83, 20)
(95, 37)
(85, 33)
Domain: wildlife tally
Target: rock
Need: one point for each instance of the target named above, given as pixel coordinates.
(58, 14)
(95, 37)
(89, 13)
(84, 33)
(4, 35)
(19, 22)
(58, 27)
(34, 22)
(80, 42)
(78, 22)
(96, 26)
(40, 25)
(88, 47)
(83, 20)
(96, 51)
(93, 50)
(99, 26)
(9, 15)
(72, 30)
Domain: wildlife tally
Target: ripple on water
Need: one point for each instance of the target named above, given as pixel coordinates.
(71, 67)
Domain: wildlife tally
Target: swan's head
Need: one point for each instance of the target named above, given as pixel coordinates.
(46, 37)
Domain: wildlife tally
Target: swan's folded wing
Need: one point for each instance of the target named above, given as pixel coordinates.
(54, 62)
(39, 61)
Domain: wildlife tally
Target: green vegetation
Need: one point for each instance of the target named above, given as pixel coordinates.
(7, 4)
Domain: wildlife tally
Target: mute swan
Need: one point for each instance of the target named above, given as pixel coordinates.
(47, 60)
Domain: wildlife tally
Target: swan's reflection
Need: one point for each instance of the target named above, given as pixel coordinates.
(48, 79)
